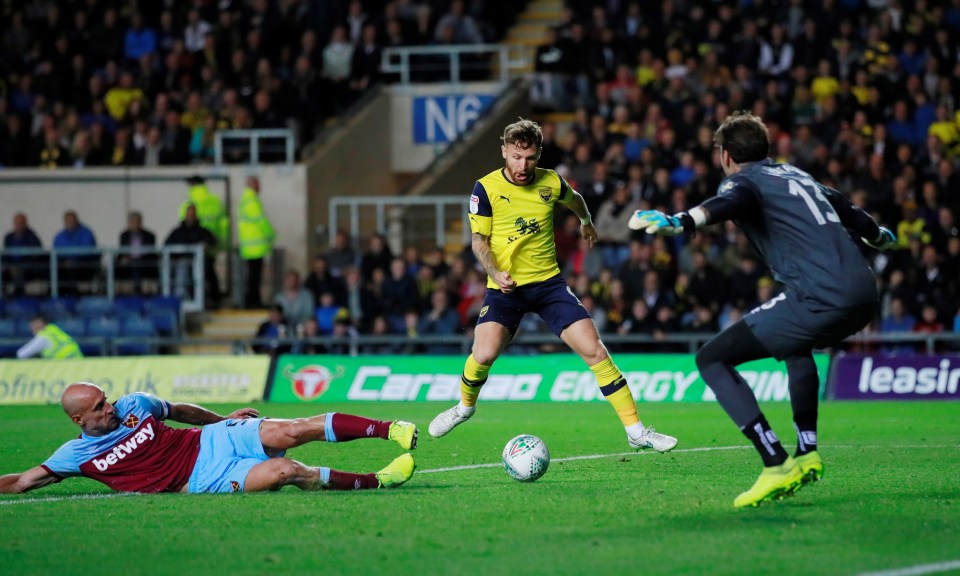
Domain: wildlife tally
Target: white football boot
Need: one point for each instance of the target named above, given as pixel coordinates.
(649, 439)
(448, 420)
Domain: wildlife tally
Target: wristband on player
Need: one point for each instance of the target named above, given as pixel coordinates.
(588, 219)
(692, 219)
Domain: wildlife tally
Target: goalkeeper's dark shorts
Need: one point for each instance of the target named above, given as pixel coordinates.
(787, 327)
(552, 299)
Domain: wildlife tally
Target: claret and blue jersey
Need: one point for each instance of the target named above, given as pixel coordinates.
(142, 455)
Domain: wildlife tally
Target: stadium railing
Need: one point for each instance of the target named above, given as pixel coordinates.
(179, 268)
(508, 61)
(430, 221)
(251, 147)
(529, 344)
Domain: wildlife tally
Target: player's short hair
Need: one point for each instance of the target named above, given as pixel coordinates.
(523, 133)
(744, 136)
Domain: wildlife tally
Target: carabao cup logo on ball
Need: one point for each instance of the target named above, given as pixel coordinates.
(526, 458)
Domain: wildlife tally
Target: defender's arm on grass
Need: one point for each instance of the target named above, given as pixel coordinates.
(198, 415)
(34, 478)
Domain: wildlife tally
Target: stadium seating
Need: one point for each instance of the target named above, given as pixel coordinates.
(124, 306)
(8, 331)
(164, 313)
(23, 308)
(136, 327)
(23, 328)
(75, 327)
(54, 308)
(94, 306)
(99, 332)
(94, 321)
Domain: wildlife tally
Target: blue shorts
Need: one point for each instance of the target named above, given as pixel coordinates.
(552, 299)
(228, 450)
(787, 327)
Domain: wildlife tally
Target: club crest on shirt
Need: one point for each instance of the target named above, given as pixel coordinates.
(545, 193)
(235, 486)
(483, 311)
(131, 421)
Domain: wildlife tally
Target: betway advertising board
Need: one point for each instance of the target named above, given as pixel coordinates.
(889, 377)
(546, 378)
(174, 378)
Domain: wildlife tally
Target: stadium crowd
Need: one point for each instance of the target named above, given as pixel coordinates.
(861, 94)
(144, 83)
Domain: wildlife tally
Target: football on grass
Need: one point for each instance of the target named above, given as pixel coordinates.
(526, 458)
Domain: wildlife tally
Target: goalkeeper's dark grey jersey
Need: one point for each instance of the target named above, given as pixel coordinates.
(799, 228)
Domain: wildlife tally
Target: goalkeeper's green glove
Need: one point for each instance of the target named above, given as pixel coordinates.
(655, 222)
(887, 240)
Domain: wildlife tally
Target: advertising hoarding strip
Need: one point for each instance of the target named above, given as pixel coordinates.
(895, 377)
(547, 378)
(175, 378)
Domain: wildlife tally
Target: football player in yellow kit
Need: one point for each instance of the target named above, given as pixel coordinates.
(511, 218)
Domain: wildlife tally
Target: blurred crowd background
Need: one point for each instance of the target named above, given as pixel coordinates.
(862, 94)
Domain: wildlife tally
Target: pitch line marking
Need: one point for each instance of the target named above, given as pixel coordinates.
(682, 450)
(67, 498)
(586, 457)
(45, 499)
(917, 570)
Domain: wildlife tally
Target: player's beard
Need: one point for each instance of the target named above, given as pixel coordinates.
(515, 178)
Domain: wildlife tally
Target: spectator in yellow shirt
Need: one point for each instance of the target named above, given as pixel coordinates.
(119, 97)
(824, 85)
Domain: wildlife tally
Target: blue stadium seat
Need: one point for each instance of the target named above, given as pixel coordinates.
(26, 307)
(103, 328)
(58, 307)
(8, 330)
(165, 323)
(134, 327)
(98, 330)
(128, 306)
(164, 312)
(75, 327)
(93, 306)
(168, 303)
(23, 328)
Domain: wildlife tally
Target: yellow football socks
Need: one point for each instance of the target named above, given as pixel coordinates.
(474, 375)
(615, 390)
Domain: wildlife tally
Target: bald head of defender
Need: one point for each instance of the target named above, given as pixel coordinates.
(86, 404)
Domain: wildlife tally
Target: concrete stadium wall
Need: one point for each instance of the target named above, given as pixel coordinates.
(102, 197)
(352, 160)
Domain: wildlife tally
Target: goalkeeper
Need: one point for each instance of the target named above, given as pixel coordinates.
(799, 228)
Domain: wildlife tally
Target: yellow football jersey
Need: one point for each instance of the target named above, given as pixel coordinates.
(519, 221)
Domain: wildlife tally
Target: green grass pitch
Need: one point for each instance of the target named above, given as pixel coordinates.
(890, 498)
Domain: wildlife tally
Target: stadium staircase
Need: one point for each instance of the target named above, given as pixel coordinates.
(530, 29)
(225, 325)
